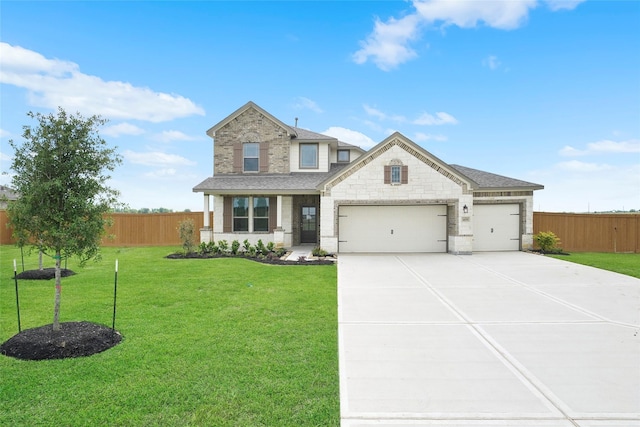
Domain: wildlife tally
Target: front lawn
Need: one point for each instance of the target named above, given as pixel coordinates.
(224, 342)
(628, 264)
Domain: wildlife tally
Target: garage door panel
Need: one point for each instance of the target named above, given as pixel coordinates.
(393, 228)
(496, 227)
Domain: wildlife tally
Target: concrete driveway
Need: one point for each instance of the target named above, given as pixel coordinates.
(490, 339)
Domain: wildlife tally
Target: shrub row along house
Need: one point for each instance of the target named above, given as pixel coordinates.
(291, 186)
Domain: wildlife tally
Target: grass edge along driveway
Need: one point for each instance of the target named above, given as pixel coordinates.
(225, 342)
(623, 263)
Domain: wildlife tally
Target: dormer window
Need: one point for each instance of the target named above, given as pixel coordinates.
(251, 156)
(344, 156)
(308, 156)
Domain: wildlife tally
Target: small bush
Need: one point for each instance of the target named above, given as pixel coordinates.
(317, 251)
(261, 248)
(186, 230)
(204, 248)
(246, 245)
(547, 241)
(270, 246)
(235, 246)
(280, 252)
(223, 246)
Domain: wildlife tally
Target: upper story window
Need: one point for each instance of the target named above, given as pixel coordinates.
(308, 156)
(396, 173)
(251, 156)
(344, 156)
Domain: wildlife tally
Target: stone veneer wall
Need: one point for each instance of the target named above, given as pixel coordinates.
(426, 185)
(251, 126)
(524, 199)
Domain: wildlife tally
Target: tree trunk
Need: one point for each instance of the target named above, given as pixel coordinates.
(40, 267)
(56, 305)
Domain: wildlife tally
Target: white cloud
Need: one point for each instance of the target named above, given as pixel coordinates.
(52, 82)
(582, 167)
(440, 118)
(4, 133)
(4, 157)
(491, 62)
(602, 147)
(350, 136)
(173, 135)
(374, 112)
(383, 116)
(162, 173)
(122, 129)
(424, 119)
(423, 137)
(563, 4)
(156, 158)
(303, 103)
(389, 43)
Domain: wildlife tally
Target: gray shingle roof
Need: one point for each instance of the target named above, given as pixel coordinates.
(296, 182)
(307, 134)
(486, 180)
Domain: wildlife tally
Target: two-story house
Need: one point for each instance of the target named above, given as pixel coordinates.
(291, 186)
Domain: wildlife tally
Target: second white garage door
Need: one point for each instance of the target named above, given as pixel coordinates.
(496, 227)
(392, 228)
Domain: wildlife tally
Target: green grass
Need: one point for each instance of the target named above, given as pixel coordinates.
(628, 264)
(224, 342)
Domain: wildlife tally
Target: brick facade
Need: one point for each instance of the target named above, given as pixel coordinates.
(251, 126)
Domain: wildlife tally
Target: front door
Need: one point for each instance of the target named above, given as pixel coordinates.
(309, 225)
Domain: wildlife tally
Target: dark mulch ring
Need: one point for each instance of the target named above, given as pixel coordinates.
(76, 339)
(274, 260)
(541, 252)
(44, 274)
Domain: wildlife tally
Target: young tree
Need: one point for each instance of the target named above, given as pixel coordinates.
(60, 174)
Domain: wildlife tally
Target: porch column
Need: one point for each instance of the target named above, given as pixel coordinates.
(279, 212)
(206, 211)
(206, 232)
(278, 233)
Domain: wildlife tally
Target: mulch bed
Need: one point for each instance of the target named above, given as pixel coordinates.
(274, 260)
(76, 339)
(44, 274)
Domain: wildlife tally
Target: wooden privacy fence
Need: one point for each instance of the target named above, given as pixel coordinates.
(592, 232)
(577, 232)
(135, 229)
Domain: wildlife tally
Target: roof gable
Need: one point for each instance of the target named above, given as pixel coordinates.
(250, 105)
(398, 139)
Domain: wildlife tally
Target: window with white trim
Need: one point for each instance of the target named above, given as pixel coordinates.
(308, 156)
(344, 156)
(260, 214)
(396, 174)
(251, 156)
(240, 214)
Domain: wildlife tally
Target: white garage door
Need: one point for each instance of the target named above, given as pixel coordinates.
(496, 227)
(392, 228)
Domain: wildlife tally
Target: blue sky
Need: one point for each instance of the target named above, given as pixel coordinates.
(544, 91)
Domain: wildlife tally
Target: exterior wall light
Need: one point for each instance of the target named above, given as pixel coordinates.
(465, 209)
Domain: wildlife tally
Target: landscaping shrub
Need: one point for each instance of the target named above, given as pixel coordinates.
(186, 230)
(547, 241)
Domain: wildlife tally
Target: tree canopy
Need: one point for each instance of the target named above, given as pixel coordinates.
(61, 169)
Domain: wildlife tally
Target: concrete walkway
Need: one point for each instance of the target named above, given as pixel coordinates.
(491, 339)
